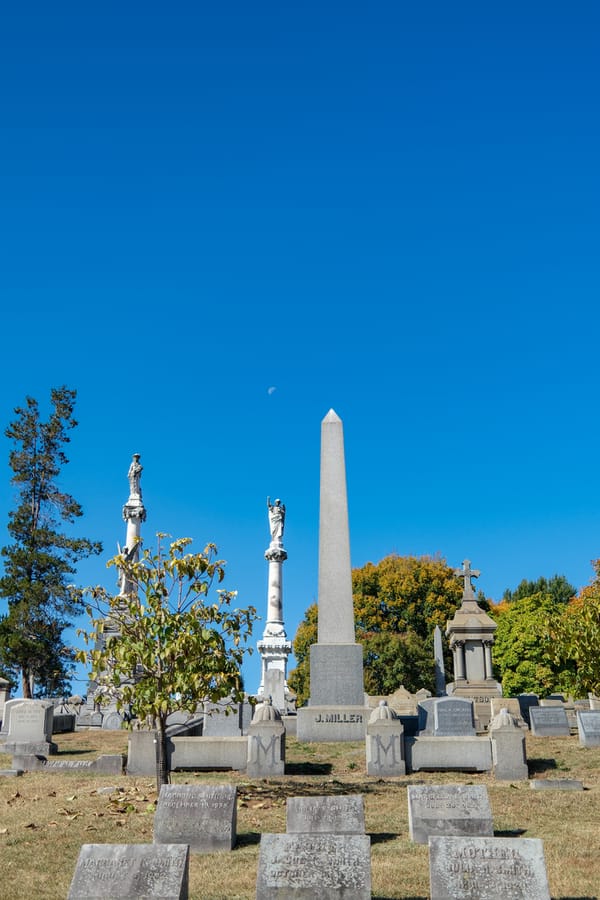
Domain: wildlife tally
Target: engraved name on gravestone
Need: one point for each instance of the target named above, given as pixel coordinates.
(548, 721)
(314, 865)
(487, 868)
(131, 871)
(459, 809)
(203, 816)
(326, 815)
(588, 725)
(453, 717)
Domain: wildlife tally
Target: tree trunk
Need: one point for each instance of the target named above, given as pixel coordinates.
(27, 685)
(162, 757)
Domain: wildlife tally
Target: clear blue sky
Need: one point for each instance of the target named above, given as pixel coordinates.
(390, 209)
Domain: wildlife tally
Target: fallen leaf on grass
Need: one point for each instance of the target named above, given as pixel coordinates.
(30, 825)
(52, 823)
(3, 830)
(70, 799)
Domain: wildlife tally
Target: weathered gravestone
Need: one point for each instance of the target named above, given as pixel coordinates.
(453, 717)
(326, 815)
(458, 809)
(314, 867)
(487, 868)
(548, 721)
(203, 816)
(508, 747)
(30, 728)
(131, 872)
(588, 726)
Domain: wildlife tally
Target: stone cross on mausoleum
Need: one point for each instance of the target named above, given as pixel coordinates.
(467, 574)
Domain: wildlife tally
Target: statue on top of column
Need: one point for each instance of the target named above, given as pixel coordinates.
(276, 519)
(134, 474)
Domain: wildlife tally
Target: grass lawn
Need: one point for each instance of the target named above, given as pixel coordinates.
(45, 817)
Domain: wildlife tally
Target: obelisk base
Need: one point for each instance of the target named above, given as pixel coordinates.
(332, 723)
(336, 710)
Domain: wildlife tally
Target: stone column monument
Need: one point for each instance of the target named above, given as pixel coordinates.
(94, 714)
(471, 635)
(274, 647)
(336, 709)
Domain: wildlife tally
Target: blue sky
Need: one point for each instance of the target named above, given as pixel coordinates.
(389, 209)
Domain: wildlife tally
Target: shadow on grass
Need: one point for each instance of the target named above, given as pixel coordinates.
(540, 765)
(249, 839)
(510, 832)
(63, 753)
(380, 837)
(308, 768)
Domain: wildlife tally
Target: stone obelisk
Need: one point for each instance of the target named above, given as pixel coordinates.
(274, 647)
(336, 710)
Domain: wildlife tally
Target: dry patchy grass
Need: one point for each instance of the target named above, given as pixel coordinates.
(45, 817)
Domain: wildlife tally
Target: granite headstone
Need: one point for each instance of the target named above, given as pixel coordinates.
(131, 872)
(548, 721)
(588, 726)
(487, 868)
(456, 809)
(203, 816)
(326, 815)
(314, 867)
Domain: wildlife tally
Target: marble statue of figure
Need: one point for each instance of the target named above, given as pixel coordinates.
(135, 471)
(276, 519)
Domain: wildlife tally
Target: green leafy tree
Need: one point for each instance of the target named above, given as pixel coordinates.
(556, 588)
(41, 560)
(397, 604)
(575, 637)
(173, 648)
(522, 653)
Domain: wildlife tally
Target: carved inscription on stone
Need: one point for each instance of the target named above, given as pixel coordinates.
(203, 816)
(448, 809)
(487, 868)
(326, 815)
(323, 865)
(131, 871)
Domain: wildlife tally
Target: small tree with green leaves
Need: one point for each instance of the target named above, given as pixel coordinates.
(169, 647)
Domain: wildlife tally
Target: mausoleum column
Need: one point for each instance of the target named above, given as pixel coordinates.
(487, 657)
(459, 660)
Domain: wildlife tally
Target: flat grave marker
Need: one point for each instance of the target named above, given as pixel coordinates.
(487, 868)
(203, 816)
(131, 871)
(314, 866)
(448, 809)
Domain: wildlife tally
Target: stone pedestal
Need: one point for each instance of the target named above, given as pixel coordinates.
(266, 743)
(385, 743)
(508, 748)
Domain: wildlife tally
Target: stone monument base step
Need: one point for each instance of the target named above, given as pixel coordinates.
(461, 754)
(332, 723)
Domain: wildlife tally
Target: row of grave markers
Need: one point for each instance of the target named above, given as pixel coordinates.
(324, 851)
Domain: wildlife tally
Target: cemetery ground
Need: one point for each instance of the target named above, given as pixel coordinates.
(46, 817)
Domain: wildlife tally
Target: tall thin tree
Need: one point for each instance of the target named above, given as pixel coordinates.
(41, 560)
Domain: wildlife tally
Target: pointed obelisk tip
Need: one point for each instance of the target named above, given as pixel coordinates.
(331, 416)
